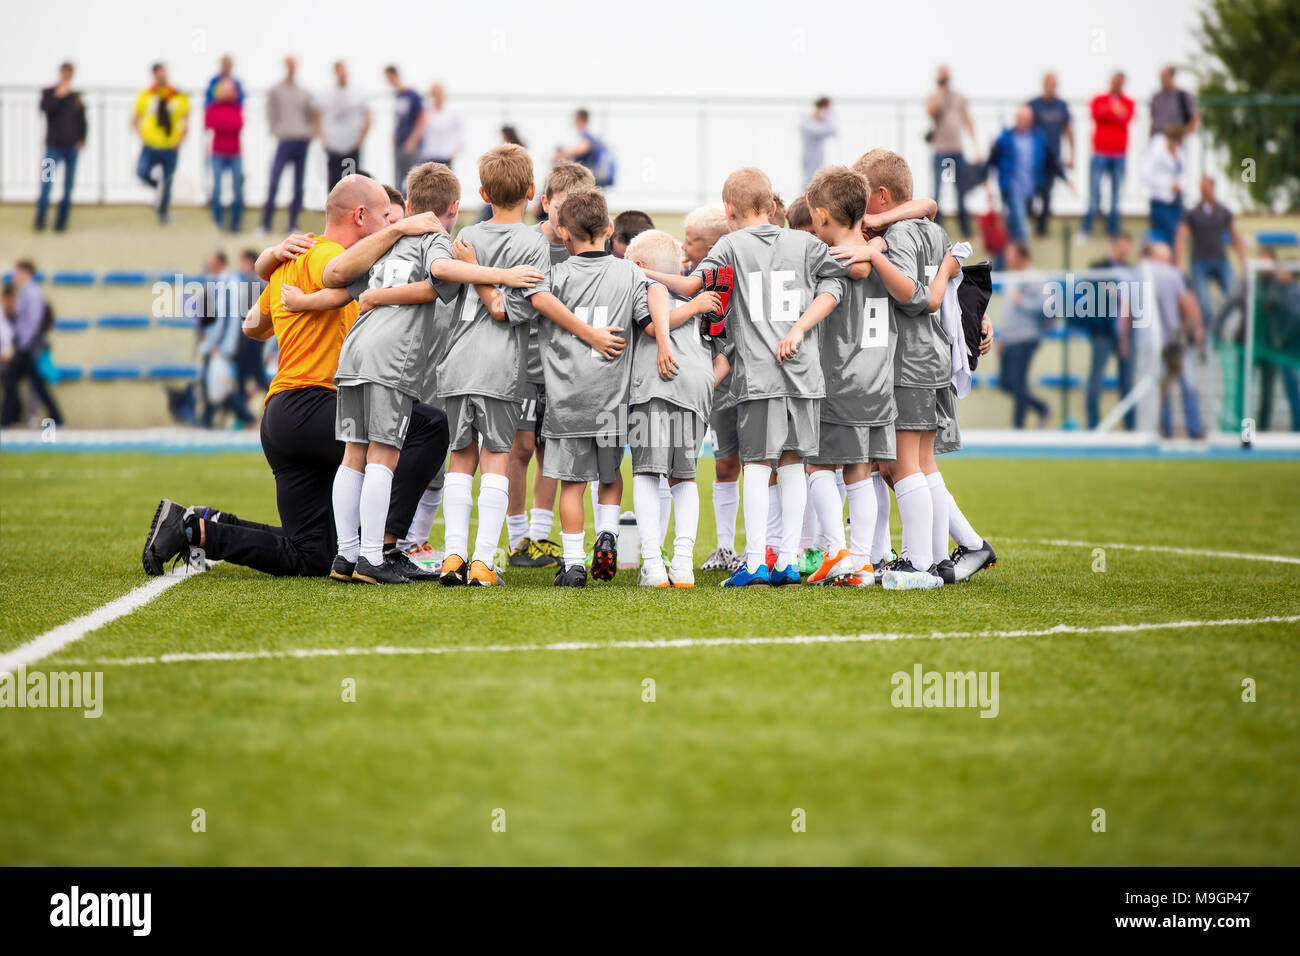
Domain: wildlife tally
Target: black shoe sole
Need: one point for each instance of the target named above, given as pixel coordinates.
(604, 564)
(156, 570)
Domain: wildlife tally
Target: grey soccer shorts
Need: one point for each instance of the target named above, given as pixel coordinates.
(854, 444)
(948, 437)
(767, 427)
(532, 412)
(367, 412)
(469, 416)
(582, 459)
(918, 409)
(665, 439)
(722, 421)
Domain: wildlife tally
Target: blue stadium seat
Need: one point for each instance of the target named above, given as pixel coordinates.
(9, 276)
(113, 373)
(1056, 381)
(69, 373)
(1277, 239)
(123, 322)
(125, 278)
(1110, 382)
(71, 277)
(174, 371)
(71, 325)
(175, 322)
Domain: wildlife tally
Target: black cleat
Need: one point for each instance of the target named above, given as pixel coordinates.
(381, 573)
(946, 570)
(167, 538)
(604, 561)
(342, 568)
(890, 565)
(967, 562)
(398, 560)
(574, 576)
(455, 571)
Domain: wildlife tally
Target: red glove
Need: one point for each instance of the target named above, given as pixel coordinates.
(721, 282)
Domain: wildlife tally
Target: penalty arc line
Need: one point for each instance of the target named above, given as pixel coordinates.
(1161, 549)
(302, 653)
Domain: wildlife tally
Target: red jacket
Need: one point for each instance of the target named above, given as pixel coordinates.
(1110, 125)
(225, 119)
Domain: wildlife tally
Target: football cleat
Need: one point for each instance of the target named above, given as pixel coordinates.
(723, 559)
(653, 576)
(966, 562)
(810, 560)
(681, 574)
(454, 570)
(863, 577)
(342, 568)
(527, 555)
(901, 576)
(832, 567)
(381, 573)
(742, 578)
(882, 566)
(604, 560)
(548, 549)
(167, 538)
(945, 570)
(482, 576)
(785, 577)
(401, 562)
(574, 576)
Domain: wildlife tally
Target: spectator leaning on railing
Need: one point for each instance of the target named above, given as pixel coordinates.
(1112, 112)
(161, 120)
(406, 117)
(1201, 237)
(224, 72)
(65, 133)
(815, 130)
(1162, 173)
(288, 112)
(1052, 119)
(1171, 106)
(224, 116)
(947, 109)
(1019, 155)
(342, 122)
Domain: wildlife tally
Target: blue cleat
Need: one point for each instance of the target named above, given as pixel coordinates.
(741, 578)
(785, 577)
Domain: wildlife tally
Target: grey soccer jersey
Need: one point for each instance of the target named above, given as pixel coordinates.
(585, 392)
(484, 356)
(778, 273)
(858, 356)
(390, 345)
(559, 252)
(923, 356)
(693, 386)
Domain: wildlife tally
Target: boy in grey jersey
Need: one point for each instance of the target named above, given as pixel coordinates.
(586, 427)
(481, 377)
(667, 418)
(781, 275)
(530, 533)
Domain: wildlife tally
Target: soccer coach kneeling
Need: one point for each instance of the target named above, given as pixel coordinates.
(298, 434)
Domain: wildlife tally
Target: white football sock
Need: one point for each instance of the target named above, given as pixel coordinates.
(347, 511)
(939, 499)
(539, 525)
(916, 512)
(881, 544)
(824, 499)
(645, 504)
(811, 535)
(493, 499)
(375, 492)
(755, 504)
(726, 502)
(607, 516)
(862, 521)
(686, 504)
(457, 506)
(422, 522)
(775, 525)
(665, 506)
(794, 500)
(959, 528)
(575, 554)
(516, 529)
(840, 486)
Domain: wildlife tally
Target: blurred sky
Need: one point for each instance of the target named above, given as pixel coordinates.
(997, 48)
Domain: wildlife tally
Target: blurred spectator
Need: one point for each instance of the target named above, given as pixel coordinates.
(1206, 226)
(511, 135)
(406, 117)
(441, 129)
(627, 226)
(1019, 155)
(1112, 111)
(1162, 172)
(342, 122)
(224, 116)
(32, 320)
(590, 151)
(1103, 331)
(1171, 106)
(1019, 332)
(1180, 326)
(1052, 119)
(225, 72)
(289, 114)
(161, 120)
(1277, 339)
(947, 109)
(220, 331)
(250, 365)
(65, 134)
(815, 130)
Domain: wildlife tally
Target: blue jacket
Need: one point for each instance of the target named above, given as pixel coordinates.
(1003, 158)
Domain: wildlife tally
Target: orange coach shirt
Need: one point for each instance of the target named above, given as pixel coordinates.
(309, 341)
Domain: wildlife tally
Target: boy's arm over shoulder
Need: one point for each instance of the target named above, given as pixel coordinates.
(825, 273)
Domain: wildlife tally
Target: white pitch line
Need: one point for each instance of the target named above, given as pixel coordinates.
(1163, 549)
(1058, 630)
(60, 637)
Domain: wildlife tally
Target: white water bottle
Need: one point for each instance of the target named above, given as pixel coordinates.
(629, 541)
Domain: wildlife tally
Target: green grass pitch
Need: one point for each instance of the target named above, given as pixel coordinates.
(1147, 725)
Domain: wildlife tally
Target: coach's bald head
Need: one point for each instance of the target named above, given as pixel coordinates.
(356, 207)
